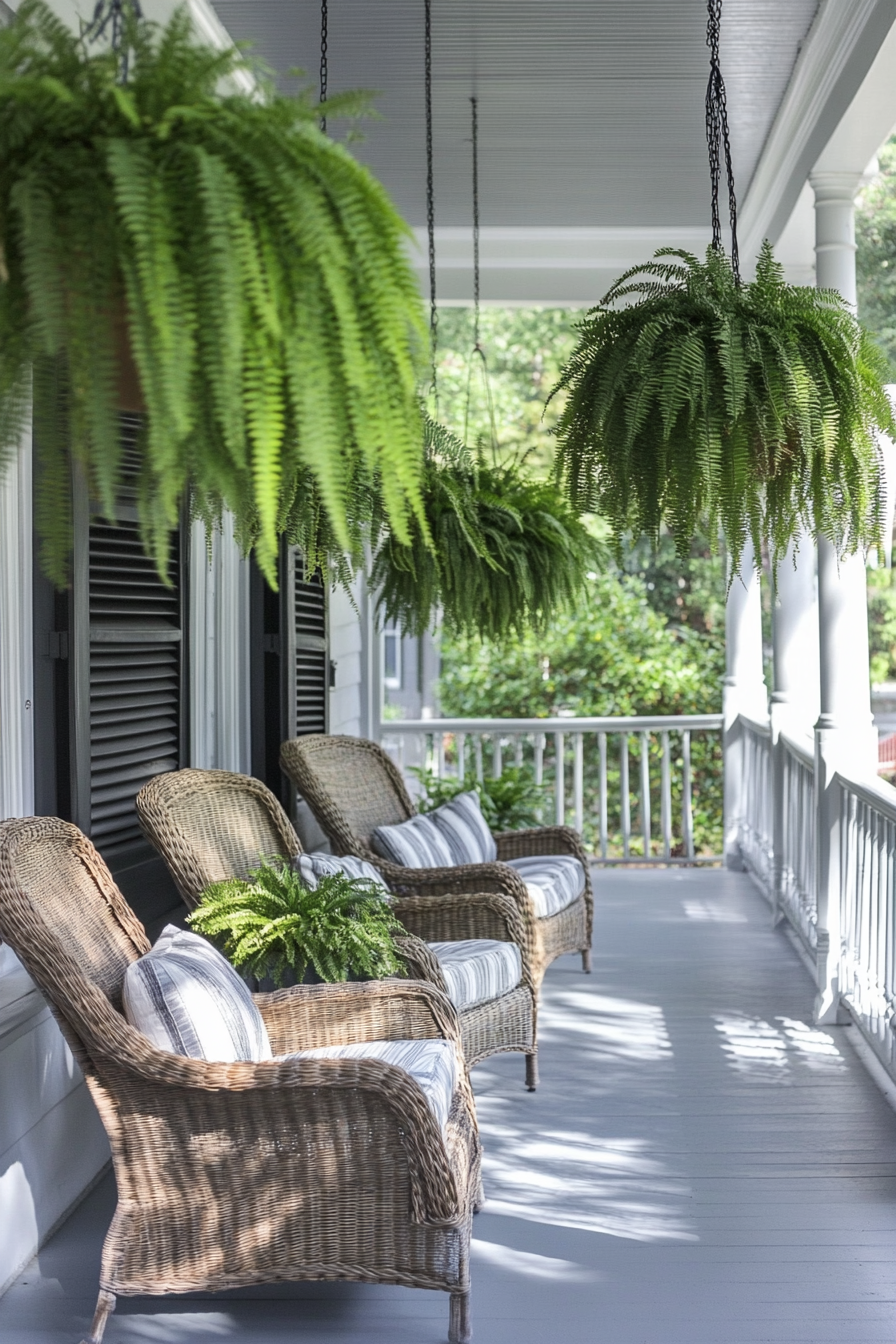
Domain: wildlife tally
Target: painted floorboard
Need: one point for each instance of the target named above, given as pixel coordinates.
(699, 1166)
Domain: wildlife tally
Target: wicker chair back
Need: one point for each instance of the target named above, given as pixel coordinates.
(209, 825)
(63, 915)
(351, 785)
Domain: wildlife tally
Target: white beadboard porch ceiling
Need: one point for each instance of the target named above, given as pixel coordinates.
(590, 111)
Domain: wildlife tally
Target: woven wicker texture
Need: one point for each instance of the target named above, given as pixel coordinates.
(184, 812)
(233, 1174)
(352, 786)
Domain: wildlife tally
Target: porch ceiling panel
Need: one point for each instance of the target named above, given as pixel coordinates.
(591, 111)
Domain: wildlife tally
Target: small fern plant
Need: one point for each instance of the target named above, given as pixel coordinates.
(699, 402)
(272, 922)
(501, 550)
(510, 803)
(192, 231)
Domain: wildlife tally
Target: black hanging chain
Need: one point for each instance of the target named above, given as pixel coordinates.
(475, 106)
(717, 137)
(430, 193)
(323, 60)
(109, 16)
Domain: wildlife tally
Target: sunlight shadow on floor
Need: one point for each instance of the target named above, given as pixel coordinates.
(767, 1053)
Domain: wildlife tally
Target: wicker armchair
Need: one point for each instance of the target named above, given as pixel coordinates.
(211, 824)
(352, 786)
(234, 1174)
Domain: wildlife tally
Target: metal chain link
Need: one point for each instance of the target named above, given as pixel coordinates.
(430, 193)
(323, 60)
(717, 136)
(109, 14)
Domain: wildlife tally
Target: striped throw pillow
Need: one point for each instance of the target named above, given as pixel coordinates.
(187, 999)
(417, 843)
(312, 867)
(463, 828)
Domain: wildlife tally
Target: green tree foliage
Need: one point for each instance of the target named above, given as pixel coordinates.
(876, 255)
(525, 350)
(272, 922)
(615, 655)
(255, 270)
(704, 404)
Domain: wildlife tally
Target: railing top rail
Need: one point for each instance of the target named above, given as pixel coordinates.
(761, 727)
(803, 748)
(561, 724)
(875, 792)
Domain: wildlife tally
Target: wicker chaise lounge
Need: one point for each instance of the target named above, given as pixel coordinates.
(213, 824)
(242, 1173)
(352, 786)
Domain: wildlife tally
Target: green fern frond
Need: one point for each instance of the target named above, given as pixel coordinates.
(272, 921)
(708, 403)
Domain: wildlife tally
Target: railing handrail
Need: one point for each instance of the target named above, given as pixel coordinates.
(633, 723)
(875, 792)
(762, 728)
(802, 748)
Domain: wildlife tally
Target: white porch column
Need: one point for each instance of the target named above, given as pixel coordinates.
(844, 733)
(220, 725)
(794, 702)
(744, 689)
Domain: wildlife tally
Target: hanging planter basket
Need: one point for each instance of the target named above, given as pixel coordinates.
(173, 245)
(697, 401)
(508, 550)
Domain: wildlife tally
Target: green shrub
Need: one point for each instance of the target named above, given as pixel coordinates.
(510, 803)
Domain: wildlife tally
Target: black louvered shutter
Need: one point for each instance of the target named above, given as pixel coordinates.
(307, 657)
(128, 679)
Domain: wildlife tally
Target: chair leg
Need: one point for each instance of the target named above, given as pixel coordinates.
(105, 1305)
(459, 1331)
(532, 1071)
(586, 960)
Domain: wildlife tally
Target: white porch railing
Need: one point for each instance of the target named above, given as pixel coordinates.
(863, 921)
(756, 818)
(628, 784)
(868, 910)
(796, 895)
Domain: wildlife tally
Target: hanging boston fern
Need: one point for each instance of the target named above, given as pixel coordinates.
(694, 399)
(175, 244)
(507, 552)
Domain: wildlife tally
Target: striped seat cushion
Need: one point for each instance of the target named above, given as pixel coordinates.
(417, 843)
(478, 969)
(432, 1065)
(187, 999)
(464, 830)
(312, 867)
(552, 880)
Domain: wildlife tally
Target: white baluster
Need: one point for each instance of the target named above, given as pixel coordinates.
(559, 781)
(687, 818)
(497, 761)
(460, 742)
(602, 748)
(666, 798)
(579, 781)
(625, 799)
(645, 793)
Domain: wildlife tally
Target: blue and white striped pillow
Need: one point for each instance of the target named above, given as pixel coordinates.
(187, 998)
(312, 867)
(417, 843)
(431, 1063)
(464, 830)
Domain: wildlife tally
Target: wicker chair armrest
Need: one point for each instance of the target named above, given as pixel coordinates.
(467, 915)
(420, 962)
(541, 840)
(306, 1016)
(340, 1098)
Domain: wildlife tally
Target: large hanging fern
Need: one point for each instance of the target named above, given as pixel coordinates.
(255, 270)
(704, 403)
(506, 552)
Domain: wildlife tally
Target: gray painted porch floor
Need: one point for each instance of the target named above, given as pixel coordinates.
(698, 1167)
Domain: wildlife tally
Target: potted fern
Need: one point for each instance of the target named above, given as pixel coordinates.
(272, 924)
(181, 239)
(694, 400)
(498, 549)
